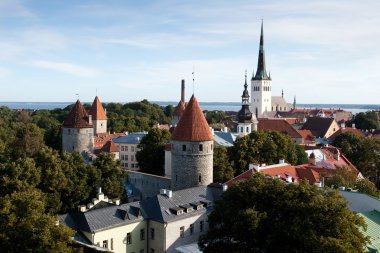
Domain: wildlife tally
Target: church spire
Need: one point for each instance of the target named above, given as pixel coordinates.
(261, 73)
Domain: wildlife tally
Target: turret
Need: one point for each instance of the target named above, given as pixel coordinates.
(192, 149)
(247, 121)
(77, 130)
(99, 118)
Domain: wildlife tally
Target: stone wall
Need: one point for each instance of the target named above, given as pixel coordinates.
(192, 164)
(77, 139)
(147, 185)
(100, 126)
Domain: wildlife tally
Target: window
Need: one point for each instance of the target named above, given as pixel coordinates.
(182, 232)
(122, 157)
(122, 148)
(111, 243)
(132, 149)
(241, 129)
(192, 228)
(132, 158)
(183, 147)
(201, 225)
(105, 244)
(247, 129)
(151, 250)
(126, 148)
(200, 147)
(126, 157)
(176, 177)
(200, 178)
(129, 238)
(132, 165)
(152, 235)
(142, 234)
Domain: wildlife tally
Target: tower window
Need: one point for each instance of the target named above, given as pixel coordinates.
(183, 147)
(200, 178)
(241, 129)
(176, 177)
(200, 147)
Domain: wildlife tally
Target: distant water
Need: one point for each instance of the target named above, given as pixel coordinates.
(210, 106)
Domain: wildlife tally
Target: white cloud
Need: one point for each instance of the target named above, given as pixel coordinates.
(14, 8)
(66, 68)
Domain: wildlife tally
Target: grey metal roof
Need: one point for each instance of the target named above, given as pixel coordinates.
(103, 218)
(224, 139)
(159, 207)
(131, 138)
(359, 202)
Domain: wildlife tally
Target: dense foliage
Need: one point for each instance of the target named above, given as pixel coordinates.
(364, 153)
(265, 147)
(151, 156)
(266, 215)
(223, 170)
(365, 120)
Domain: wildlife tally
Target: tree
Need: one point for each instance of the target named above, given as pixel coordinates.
(350, 145)
(26, 228)
(266, 215)
(112, 176)
(366, 120)
(223, 170)
(301, 155)
(151, 156)
(262, 147)
(28, 140)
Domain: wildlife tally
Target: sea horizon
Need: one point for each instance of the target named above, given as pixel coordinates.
(210, 106)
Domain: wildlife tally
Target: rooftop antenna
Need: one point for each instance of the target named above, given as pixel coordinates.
(193, 79)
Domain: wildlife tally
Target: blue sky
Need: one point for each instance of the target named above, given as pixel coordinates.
(323, 51)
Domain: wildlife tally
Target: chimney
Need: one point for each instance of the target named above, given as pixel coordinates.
(353, 125)
(343, 125)
(169, 193)
(117, 202)
(90, 119)
(225, 187)
(312, 160)
(183, 91)
(82, 208)
(281, 161)
(105, 111)
(254, 166)
(225, 129)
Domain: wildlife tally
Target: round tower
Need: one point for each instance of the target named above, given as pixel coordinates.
(192, 149)
(178, 112)
(77, 130)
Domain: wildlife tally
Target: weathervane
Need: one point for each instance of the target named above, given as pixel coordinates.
(193, 79)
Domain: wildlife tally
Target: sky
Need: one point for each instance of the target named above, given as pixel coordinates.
(324, 51)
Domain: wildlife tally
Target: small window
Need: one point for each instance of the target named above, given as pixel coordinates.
(105, 244)
(176, 177)
(142, 234)
(241, 129)
(69, 130)
(247, 129)
(200, 178)
(192, 228)
(132, 158)
(182, 232)
(111, 243)
(126, 148)
(129, 238)
(183, 147)
(200, 147)
(132, 165)
(122, 148)
(201, 225)
(126, 157)
(152, 235)
(132, 149)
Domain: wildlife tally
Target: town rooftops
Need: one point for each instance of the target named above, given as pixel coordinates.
(318, 126)
(160, 207)
(97, 111)
(225, 139)
(354, 131)
(131, 138)
(77, 117)
(278, 125)
(193, 125)
(103, 218)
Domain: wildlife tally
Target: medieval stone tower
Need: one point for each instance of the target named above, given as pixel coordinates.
(261, 84)
(77, 130)
(192, 149)
(247, 122)
(99, 118)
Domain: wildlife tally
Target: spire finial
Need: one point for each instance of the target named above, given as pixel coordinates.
(245, 78)
(282, 93)
(193, 79)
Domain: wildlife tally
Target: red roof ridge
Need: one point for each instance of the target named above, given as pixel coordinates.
(97, 111)
(77, 117)
(193, 125)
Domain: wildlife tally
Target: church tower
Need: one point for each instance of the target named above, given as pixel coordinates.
(192, 149)
(261, 84)
(247, 121)
(99, 117)
(77, 130)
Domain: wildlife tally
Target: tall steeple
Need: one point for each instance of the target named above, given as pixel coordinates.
(261, 73)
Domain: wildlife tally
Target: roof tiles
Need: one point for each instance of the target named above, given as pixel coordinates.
(97, 111)
(77, 118)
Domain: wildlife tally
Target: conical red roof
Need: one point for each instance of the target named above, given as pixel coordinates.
(180, 109)
(97, 112)
(77, 117)
(193, 125)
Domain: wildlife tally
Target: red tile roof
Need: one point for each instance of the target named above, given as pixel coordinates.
(97, 112)
(278, 125)
(101, 139)
(109, 147)
(355, 131)
(193, 125)
(179, 109)
(307, 136)
(77, 117)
